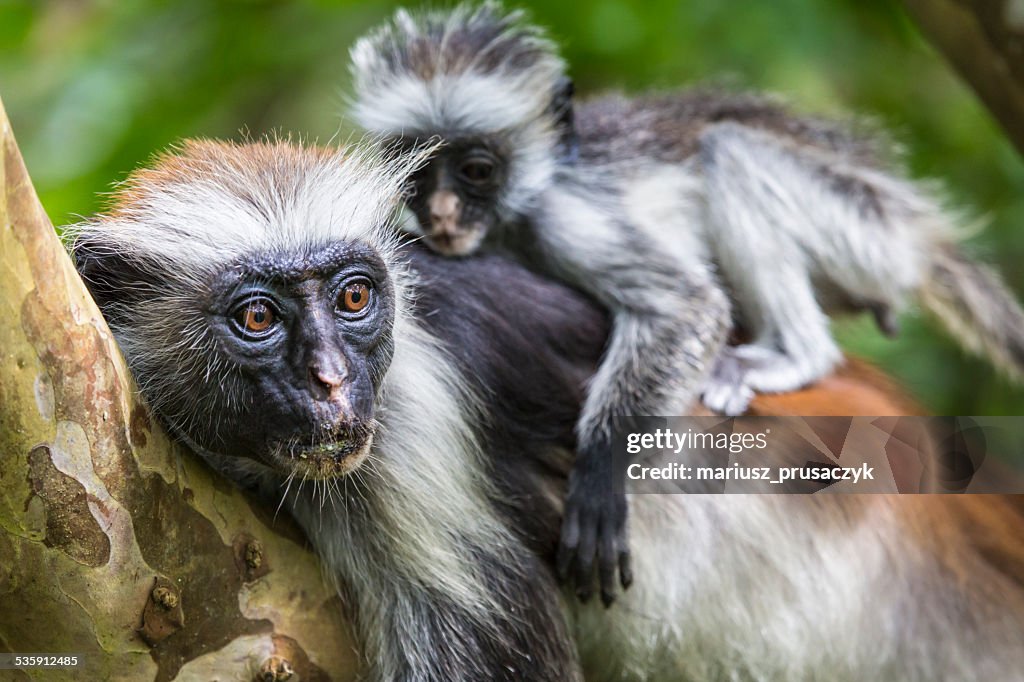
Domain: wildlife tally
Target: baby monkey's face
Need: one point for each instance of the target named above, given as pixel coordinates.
(309, 336)
(456, 196)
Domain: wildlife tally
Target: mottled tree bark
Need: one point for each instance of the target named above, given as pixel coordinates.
(115, 544)
(984, 41)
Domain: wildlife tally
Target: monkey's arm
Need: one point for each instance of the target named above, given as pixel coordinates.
(669, 322)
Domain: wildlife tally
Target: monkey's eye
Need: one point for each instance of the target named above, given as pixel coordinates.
(255, 317)
(355, 297)
(477, 170)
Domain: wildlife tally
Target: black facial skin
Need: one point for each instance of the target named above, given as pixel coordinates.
(311, 375)
(455, 196)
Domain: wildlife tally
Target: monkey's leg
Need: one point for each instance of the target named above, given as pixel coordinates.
(668, 324)
(756, 218)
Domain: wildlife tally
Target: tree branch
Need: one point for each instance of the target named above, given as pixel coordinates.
(984, 41)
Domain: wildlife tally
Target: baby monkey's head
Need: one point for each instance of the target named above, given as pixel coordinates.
(488, 84)
(254, 290)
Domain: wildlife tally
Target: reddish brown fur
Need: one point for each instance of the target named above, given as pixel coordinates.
(855, 389)
(189, 160)
(978, 539)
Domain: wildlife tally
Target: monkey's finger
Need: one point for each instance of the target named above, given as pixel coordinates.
(568, 543)
(585, 554)
(716, 398)
(625, 569)
(606, 565)
(740, 400)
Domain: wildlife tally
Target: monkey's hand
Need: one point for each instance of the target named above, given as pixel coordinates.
(726, 391)
(594, 529)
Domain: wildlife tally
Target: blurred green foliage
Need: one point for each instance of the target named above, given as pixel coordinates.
(94, 88)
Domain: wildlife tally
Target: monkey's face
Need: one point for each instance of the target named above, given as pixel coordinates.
(309, 340)
(253, 291)
(457, 196)
(275, 358)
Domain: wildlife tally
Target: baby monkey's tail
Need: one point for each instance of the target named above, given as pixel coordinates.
(977, 308)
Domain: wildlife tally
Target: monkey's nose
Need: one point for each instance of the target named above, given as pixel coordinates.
(445, 209)
(325, 383)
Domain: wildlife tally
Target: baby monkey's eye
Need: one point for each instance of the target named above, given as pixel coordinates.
(355, 296)
(256, 317)
(478, 170)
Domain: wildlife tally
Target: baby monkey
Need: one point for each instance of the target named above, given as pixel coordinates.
(493, 88)
(656, 206)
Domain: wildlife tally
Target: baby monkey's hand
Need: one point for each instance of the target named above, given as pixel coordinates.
(594, 530)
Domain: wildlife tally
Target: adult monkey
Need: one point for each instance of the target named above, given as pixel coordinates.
(263, 304)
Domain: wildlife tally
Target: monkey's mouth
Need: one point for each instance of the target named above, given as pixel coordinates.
(455, 244)
(332, 457)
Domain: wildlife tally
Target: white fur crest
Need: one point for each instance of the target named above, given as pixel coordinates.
(210, 203)
(454, 69)
(465, 72)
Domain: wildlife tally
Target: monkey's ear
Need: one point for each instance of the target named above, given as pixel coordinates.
(562, 111)
(112, 279)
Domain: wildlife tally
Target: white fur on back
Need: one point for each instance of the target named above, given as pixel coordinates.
(777, 587)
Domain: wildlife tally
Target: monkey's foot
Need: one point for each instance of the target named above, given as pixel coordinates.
(726, 391)
(766, 370)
